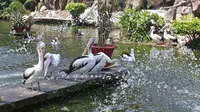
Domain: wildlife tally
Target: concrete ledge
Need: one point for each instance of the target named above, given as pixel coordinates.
(17, 96)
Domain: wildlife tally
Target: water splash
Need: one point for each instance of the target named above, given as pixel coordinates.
(164, 81)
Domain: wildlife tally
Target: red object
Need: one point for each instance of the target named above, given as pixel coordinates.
(108, 49)
(19, 28)
(28, 28)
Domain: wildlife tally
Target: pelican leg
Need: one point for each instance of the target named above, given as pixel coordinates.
(32, 86)
(38, 86)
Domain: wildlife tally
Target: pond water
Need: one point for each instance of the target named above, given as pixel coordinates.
(161, 79)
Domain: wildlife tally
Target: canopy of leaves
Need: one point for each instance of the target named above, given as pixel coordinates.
(135, 25)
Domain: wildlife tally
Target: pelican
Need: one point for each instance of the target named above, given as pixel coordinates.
(82, 64)
(12, 31)
(34, 73)
(28, 36)
(79, 33)
(128, 57)
(51, 62)
(155, 37)
(101, 60)
(168, 36)
(55, 42)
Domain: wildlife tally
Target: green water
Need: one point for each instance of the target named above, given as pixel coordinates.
(161, 79)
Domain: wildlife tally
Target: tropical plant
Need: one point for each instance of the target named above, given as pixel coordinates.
(76, 9)
(188, 25)
(15, 11)
(135, 25)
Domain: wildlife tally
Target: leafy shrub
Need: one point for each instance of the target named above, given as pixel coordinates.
(188, 25)
(30, 5)
(4, 4)
(135, 25)
(15, 11)
(15, 6)
(76, 9)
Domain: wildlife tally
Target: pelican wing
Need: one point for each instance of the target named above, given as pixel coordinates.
(98, 58)
(125, 56)
(171, 37)
(78, 63)
(158, 36)
(28, 72)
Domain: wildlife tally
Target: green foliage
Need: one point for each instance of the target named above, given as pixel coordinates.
(188, 25)
(15, 6)
(4, 4)
(76, 9)
(30, 5)
(15, 11)
(135, 25)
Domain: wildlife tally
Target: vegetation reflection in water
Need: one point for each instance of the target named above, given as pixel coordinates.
(162, 79)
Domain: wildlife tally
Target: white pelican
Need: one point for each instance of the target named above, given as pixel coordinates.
(55, 41)
(155, 37)
(51, 62)
(33, 74)
(128, 57)
(12, 31)
(168, 36)
(83, 64)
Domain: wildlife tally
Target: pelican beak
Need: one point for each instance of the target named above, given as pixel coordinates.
(46, 65)
(91, 40)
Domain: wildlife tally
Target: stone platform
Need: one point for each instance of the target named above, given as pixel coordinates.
(13, 97)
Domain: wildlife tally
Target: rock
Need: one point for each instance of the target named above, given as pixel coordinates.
(152, 3)
(135, 4)
(196, 8)
(182, 40)
(43, 8)
(89, 17)
(115, 18)
(51, 14)
(64, 109)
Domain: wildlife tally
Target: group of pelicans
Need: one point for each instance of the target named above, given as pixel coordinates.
(167, 34)
(84, 64)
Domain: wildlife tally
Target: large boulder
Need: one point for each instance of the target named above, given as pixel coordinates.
(89, 17)
(135, 4)
(51, 14)
(196, 8)
(154, 3)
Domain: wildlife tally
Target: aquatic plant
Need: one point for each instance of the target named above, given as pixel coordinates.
(135, 25)
(76, 9)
